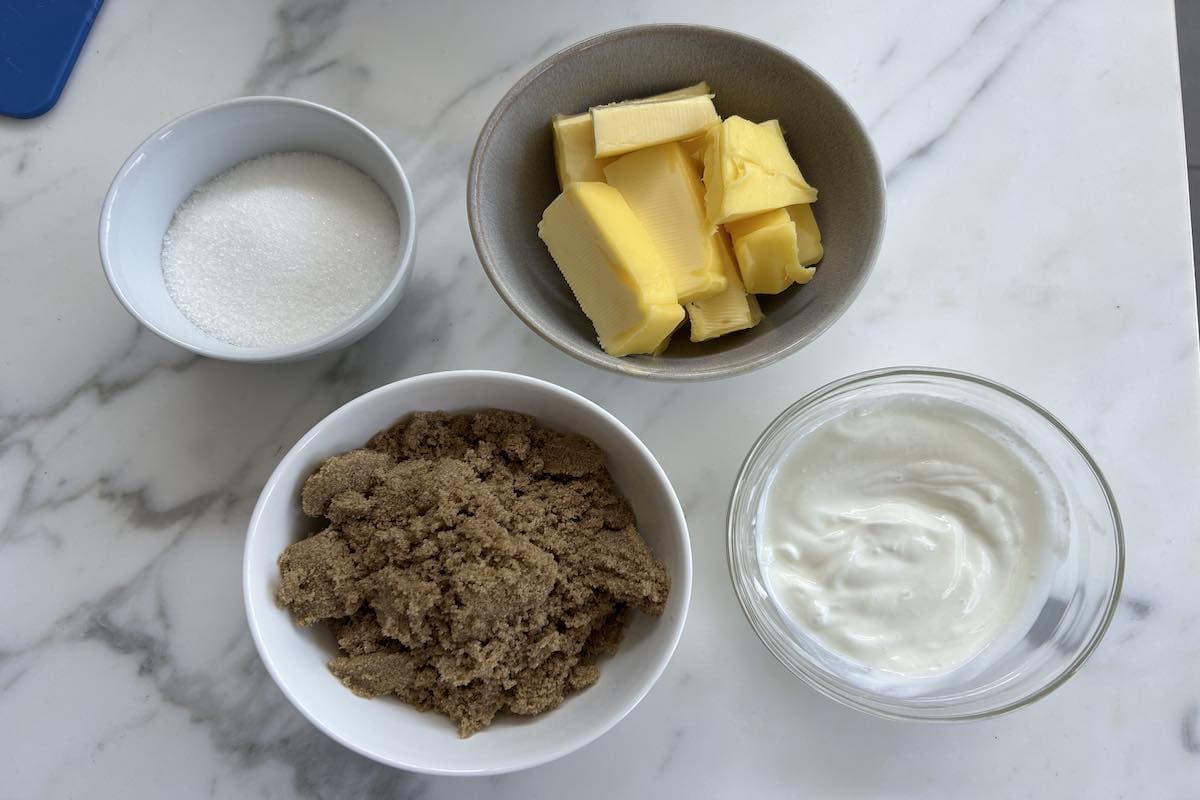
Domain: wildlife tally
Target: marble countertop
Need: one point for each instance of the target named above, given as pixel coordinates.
(1038, 234)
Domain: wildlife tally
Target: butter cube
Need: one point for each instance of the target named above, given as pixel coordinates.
(766, 250)
(625, 127)
(808, 242)
(575, 150)
(748, 170)
(731, 310)
(695, 151)
(575, 143)
(695, 90)
(612, 267)
(665, 343)
(662, 187)
(776, 248)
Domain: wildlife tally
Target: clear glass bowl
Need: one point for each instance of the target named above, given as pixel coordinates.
(1083, 588)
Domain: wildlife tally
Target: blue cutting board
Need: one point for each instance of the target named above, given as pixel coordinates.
(39, 42)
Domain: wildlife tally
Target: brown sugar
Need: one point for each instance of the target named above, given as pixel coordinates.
(471, 563)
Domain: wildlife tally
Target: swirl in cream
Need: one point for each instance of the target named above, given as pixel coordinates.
(907, 535)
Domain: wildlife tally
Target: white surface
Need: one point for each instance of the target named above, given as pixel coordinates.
(398, 735)
(1037, 234)
(162, 171)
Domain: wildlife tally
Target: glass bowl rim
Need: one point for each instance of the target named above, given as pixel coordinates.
(846, 693)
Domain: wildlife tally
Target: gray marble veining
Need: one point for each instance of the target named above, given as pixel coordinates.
(1038, 234)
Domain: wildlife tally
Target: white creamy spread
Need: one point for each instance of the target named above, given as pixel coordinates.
(906, 535)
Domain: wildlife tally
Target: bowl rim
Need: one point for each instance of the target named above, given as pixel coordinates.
(599, 358)
(833, 689)
(362, 321)
(681, 580)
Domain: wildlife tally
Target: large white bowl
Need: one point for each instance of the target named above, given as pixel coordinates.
(396, 734)
(186, 152)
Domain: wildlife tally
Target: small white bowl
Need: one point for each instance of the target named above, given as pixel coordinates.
(396, 734)
(184, 153)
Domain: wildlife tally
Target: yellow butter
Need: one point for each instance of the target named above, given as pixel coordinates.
(731, 310)
(623, 128)
(765, 246)
(652, 336)
(748, 170)
(575, 143)
(575, 150)
(809, 249)
(663, 345)
(662, 187)
(695, 90)
(776, 248)
(695, 151)
(612, 267)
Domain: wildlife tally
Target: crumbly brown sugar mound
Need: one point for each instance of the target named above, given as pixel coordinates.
(471, 564)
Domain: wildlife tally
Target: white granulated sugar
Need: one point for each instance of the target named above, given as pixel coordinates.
(280, 249)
